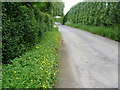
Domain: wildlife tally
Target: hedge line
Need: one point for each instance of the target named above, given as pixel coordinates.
(23, 24)
(94, 13)
(104, 16)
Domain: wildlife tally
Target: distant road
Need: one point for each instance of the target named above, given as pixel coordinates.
(88, 60)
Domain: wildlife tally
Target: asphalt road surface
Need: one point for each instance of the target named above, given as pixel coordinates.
(88, 60)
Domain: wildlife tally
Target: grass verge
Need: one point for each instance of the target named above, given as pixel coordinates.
(0, 76)
(36, 68)
(111, 33)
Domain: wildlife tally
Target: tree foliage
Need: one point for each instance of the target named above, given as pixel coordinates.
(94, 13)
(23, 23)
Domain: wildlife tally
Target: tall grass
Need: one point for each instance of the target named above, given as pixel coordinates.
(109, 32)
(0, 76)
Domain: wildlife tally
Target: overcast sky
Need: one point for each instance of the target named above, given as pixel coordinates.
(69, 4)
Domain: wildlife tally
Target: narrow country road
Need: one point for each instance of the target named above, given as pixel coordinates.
(88, 60)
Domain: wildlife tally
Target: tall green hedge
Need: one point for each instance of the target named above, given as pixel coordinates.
(94, 13)
(23, 24)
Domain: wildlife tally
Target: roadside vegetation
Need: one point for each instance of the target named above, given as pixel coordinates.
(36, 68)
(30, 44)
(102, 18)
(0, 76)
(109, 32)
(23, 24)
(60, 20)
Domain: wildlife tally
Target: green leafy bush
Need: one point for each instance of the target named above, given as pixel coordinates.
(22, 27)
(95, 13)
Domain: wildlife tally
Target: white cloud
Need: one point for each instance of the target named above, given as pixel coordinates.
(69, 4)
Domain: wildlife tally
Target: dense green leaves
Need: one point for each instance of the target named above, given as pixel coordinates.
(23, 23)
(95, 13)
(57, 8)
(29, 50)
(37, 68)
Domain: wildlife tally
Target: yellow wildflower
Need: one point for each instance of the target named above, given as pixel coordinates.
(17, 78)
(14, 71)
(46, 71)
(37, 47)
(31, 80)
(43, 62)
(43, 86)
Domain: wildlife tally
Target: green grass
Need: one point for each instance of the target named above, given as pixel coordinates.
(111, 33)
(0, 77)
(36, 68)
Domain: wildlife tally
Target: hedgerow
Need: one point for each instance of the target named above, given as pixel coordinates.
(30, 44)
(96, 14)
(23, 23)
